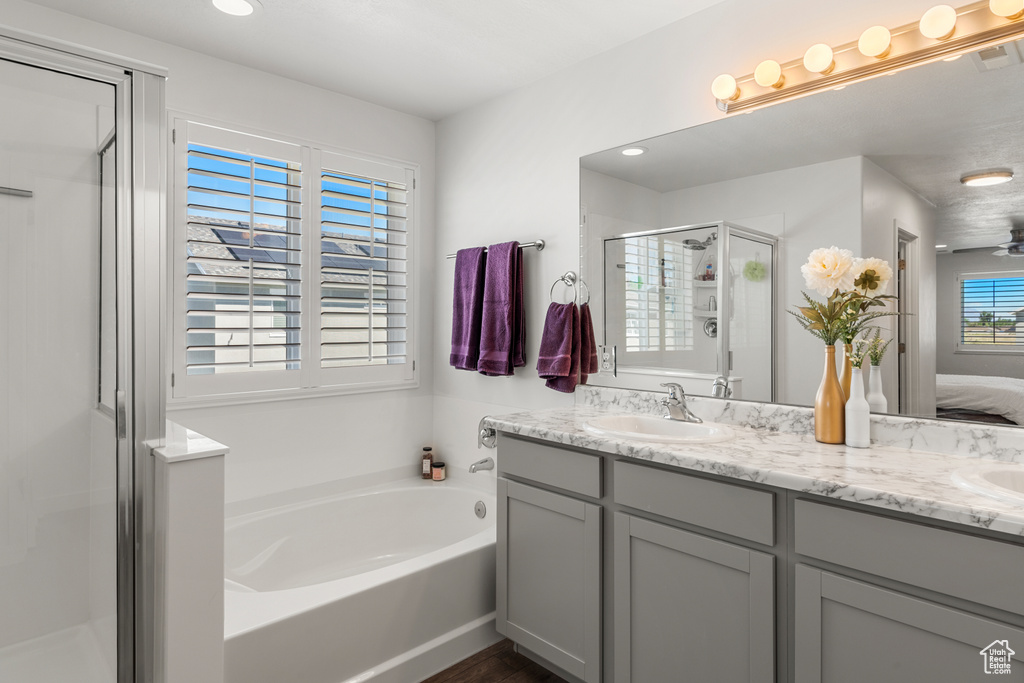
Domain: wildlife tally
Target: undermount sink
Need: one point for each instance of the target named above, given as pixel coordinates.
(649, 428)
(1003, 481)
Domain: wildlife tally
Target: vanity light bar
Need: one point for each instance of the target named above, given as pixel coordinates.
(877, 52)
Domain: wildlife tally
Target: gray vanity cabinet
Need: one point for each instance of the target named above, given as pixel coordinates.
(689, 607)
(867, 627)
(849, 631)
(549, 558)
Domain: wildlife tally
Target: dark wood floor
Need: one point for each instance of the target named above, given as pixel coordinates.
(497, 664)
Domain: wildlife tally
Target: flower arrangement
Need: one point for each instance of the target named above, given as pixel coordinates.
(853, 286)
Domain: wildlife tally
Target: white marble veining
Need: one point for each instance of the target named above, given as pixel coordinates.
(901, 476)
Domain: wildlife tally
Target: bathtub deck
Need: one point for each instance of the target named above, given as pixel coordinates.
(497, 664)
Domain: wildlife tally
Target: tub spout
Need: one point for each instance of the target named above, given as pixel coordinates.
(485, 464)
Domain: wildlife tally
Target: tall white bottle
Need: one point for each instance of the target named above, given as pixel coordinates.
(876, 399)
(858, 413)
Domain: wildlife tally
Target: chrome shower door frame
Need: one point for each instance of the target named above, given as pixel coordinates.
(140, 316)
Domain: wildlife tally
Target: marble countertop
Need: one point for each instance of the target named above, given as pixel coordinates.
(892, 477)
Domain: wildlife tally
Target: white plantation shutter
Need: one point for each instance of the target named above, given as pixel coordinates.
(364, 211)
(262, 305)
(658, 294)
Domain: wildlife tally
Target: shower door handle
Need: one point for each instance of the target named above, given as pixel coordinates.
(121, 417)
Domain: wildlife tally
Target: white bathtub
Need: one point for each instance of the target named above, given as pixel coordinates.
(388, 584)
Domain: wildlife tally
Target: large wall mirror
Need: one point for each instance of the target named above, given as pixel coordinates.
(712, 223)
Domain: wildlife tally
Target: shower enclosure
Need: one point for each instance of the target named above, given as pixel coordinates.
(79, 369)
(694, 303)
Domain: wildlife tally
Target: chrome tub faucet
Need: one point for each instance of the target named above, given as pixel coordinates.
(675, 404)
(485, 464)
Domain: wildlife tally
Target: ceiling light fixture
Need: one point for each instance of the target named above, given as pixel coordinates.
(236, 8)
(986, 179)
(941, 246)
(943, 33)
(634, 151)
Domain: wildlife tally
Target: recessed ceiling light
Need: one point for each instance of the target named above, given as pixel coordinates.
(985, 179)
(634, 151)
(236, 8)
(941, 246)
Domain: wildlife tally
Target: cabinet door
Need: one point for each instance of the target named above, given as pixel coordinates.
(549, 576)
(850, 632)
(690, 608)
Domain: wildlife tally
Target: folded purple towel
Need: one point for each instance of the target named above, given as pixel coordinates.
(502, 333)
(588, 345)
(467, 307)
(558, 360)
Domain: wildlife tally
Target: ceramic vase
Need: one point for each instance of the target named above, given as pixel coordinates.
(876, 399)
(844, 371)
(858, 413)
(829, 404)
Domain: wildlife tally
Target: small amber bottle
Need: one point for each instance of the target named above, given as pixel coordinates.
(428, 460)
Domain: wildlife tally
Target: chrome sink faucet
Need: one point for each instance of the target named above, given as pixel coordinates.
(485, 464)
(675, 403)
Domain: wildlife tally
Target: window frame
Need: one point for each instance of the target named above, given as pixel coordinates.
(310, 380)
(982, 349)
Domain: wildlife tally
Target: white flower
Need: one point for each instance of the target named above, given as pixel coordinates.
(829, 269)
(871, 276)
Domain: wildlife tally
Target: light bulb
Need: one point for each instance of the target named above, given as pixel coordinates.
(819, 59)
(768, 74)
(1009, 9)
(724, 88)
(876, 42)
(938, 23)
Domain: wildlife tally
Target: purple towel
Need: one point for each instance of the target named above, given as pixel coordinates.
(502, 333)
(467, 307)
(558, 360)
(588, 345)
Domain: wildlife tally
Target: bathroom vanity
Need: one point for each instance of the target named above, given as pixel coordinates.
(768, 557)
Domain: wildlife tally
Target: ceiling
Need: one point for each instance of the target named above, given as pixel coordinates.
(430, 58)
(927, 126)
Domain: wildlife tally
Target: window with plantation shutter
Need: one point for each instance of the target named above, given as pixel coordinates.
(263, 303)
(363, 263)
(244, 247)
(992, 312)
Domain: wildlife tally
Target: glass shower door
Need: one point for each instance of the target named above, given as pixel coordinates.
(747, 338)
(58, 379)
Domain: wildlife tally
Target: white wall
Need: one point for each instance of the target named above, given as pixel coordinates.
(306, 442)
(509, 168)
(888, 205)
(950, 362)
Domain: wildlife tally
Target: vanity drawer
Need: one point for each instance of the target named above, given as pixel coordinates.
(982, 570)
(735, 510)
(559, 467)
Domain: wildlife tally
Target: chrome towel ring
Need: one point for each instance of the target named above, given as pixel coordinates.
(570, 279)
